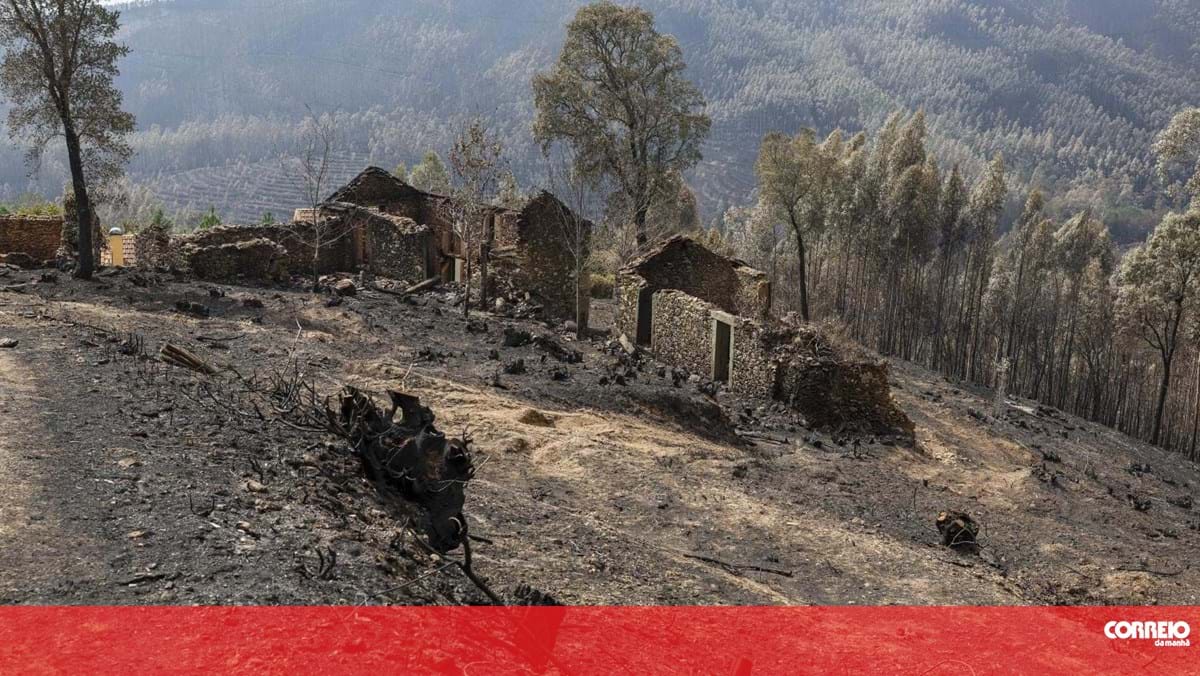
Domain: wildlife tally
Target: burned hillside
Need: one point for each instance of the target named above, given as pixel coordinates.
(596, 475)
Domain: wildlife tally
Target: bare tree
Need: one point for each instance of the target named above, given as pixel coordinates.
(60, 60)
(577, 196)
(310, 169)
(477, 159)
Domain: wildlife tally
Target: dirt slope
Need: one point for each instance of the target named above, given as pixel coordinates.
(121, 484)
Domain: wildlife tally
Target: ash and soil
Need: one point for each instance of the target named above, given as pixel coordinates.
(603, 481)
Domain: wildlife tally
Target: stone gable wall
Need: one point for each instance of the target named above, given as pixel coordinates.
(546, 267)
(685, 265)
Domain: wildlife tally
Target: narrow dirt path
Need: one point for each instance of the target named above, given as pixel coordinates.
(40, 494)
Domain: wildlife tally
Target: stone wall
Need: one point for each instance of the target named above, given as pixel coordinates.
(682, 264)
(682, 332)
(378, 189)
(252, 259)
(628, 288)
(683, 336)
(833, 383)
(752, 298)
(754, 372)
(39, 237)
(545, 261)
(296, 240)
(399, 248)
(149, 248)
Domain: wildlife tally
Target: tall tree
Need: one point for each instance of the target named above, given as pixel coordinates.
(430, 175)
(1179, 144)
(618, 95)
(1160, 292)
(794, 179)
(59, 65)
(576, 198)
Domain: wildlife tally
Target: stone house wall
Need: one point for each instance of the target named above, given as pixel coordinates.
(628, 288)
(683, 264)
(39, 237)
(834, 392)
(683, 336)
(252, 259)
(545, 265)
(682, 328)
(148, 248)
(335, 256)
(755, 373)
(378, 189)
(399, 248)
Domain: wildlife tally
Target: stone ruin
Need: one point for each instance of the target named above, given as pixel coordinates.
(527, 248)
(711, 315)
(352, 239)
(380, 224)
(30, 241)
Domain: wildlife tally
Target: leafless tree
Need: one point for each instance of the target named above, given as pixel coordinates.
(310, 169)
(477, 159)
(577, 196)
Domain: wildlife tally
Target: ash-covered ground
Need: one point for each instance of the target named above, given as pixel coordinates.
(604, 480)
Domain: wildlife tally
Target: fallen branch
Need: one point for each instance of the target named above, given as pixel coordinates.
(736, 568)
(1163, 573)
(177, 356)
(763, 436)
(416, 288)
(220, 339)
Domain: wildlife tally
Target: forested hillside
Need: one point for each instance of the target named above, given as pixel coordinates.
(1072, 92)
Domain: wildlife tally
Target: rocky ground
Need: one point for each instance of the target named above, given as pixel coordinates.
(602, 481)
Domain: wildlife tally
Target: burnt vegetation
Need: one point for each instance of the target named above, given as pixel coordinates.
(904, 371)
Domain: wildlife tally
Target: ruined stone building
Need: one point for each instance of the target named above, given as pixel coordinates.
(527, 250)
(710, 314)
(351, 238)
(379, 223)
(698, 310)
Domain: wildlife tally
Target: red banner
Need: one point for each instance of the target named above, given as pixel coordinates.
(734, 641)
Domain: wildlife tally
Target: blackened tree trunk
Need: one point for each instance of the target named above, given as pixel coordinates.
(485, 252)
(802, 255)
(1168, 360)
(639, 225)
(83, 205)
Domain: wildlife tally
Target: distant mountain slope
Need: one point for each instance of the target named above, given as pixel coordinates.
(1071, 91)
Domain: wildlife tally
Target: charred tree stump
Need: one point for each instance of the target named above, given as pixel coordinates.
(410, 463)
(959, 530)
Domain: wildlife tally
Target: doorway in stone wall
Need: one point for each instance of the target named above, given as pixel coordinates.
(722, 350)
(645, 317)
